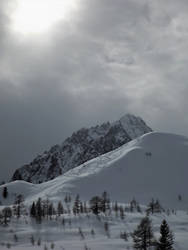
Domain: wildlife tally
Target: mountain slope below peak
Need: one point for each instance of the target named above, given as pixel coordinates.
(151, 166)
(83, 145)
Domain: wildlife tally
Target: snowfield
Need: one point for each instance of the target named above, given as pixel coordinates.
(67, 236)
(154, 165)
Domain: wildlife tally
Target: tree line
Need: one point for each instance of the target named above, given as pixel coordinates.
(143, 237)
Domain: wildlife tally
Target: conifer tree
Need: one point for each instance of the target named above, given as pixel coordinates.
(45, 207)
(95, 204)
(33, 210)
(133, 205)
(7, 214)
(116, 208)
(85, 209)
(143, 236)
(60, 209)
(154, 207)
(50, 210)
(39, 210)
(18, 211)
(122, 214)
(104, 202)
(5, 192)
(81, 208)
(151, 206)
(166, 240)
(76, 207)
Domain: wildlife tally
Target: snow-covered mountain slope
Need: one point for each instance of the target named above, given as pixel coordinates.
(153, 165)
(82, 146)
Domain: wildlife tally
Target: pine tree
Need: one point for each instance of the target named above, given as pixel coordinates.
(18, 211)
(7, 214)
(60, 209)
(154, 207)
(143, 235)
(76, 207)
(151, 206)
(85, 209)
(138, 208)
(122, 214)
(105, 202)
(39, 210)
(50, 210)
(95, 205)
(81, 208)
(45, 207)
(133, 205)
(116, 208)
(5, 192)
(33, 210)
(166, 239)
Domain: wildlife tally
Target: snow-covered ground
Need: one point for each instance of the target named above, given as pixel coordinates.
(67, 236)
(151, 166)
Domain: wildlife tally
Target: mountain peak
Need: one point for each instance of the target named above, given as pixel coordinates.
(83, 145)
(134, 125)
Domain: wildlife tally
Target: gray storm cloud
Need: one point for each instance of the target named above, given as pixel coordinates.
(110, 58)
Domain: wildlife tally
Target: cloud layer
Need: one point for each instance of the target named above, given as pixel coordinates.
(109, 58)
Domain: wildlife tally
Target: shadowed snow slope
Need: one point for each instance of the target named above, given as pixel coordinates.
(153, 165)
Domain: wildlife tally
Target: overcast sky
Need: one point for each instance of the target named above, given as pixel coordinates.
(107, 58)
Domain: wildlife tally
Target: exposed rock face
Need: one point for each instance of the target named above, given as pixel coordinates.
(83, 145)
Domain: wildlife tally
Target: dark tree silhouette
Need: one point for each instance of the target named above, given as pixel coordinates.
(60, 209)
(96, 205)
(76, 206)
(143, 235)
(5, 192)
(33, 210)
(38, 210)
(166, 240)
(7, 214)
(154, 207)
(105, 202)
